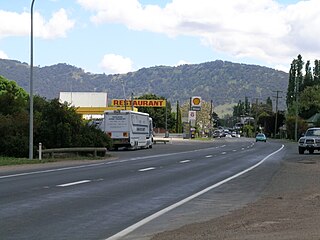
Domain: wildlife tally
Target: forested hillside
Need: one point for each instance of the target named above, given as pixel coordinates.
(220, 81)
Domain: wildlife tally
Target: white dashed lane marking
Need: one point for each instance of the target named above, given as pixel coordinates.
(146, 169)
(185, 161)
(73, 183)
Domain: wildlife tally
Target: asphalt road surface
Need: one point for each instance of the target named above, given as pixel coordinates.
(131, 197)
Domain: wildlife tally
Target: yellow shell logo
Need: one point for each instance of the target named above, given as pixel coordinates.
(196, 101)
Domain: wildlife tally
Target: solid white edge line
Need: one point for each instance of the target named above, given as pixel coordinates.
(175, 205)
(73, 183)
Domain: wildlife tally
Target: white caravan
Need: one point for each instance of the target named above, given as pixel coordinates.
(128, 129)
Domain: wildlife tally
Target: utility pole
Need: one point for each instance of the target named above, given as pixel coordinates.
(31, 88)
(177, 121)
(256, 117)
(166, 121)
(211, 127)
(276, 120)
(132, 102)
(297, 110)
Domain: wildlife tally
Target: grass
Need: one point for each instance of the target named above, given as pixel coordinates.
(203, 138)
(8, 161)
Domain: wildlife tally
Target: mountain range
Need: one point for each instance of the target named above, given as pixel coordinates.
(225, 83)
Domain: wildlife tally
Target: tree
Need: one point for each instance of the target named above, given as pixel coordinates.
(310, 101)
(203, 117)
(158, 114)
(12, 98)
(308, 78)
(13, 119)
(296, 82)
(241, 109)
(14, 134)
(179, 127)
(11, 87)
(269, 104)
(303, 91)
(290, 125)
(316, 72)
(247, 107)
(291, 85)
(55, 124)
(58, 125)
(299, 80)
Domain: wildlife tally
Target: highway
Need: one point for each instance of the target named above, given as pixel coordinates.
(113, 199)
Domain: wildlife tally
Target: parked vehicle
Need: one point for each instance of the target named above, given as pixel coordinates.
(128, 129)
(261, 137)
(217, 134)
(309, 141)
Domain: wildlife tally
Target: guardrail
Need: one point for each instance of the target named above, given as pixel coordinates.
(94, 150)
(163, 140)
(160, 140)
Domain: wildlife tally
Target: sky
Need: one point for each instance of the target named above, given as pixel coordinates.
(120, 36)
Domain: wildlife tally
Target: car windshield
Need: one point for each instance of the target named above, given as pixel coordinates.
(260, 135)
(313, 132)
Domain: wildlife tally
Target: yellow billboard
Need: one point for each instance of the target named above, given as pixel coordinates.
(139, 103)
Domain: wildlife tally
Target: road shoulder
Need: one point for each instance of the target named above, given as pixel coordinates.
(288, 209)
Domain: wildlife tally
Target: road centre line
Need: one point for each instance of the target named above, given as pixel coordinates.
(73, 183)
(100, 164)
(208, 156)
(146, 169)
(144, 221)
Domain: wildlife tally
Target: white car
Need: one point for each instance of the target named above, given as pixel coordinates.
(310, 141)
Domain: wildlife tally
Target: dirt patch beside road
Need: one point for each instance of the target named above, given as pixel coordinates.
(289, 209)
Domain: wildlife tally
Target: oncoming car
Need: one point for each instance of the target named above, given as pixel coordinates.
(310, 141)
(261, 137)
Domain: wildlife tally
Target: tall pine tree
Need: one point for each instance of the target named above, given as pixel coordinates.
(291, 84)
(308, 79)
(316, 72)
(299, 82)
(296, 81)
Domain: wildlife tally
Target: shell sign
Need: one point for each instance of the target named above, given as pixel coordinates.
(196, 103)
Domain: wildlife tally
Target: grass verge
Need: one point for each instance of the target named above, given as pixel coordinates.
(7, 161)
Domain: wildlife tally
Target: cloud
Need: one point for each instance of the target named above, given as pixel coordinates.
(263, 30)
(3, 55)
(113, 63)
(57, 26)
(18, 24)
